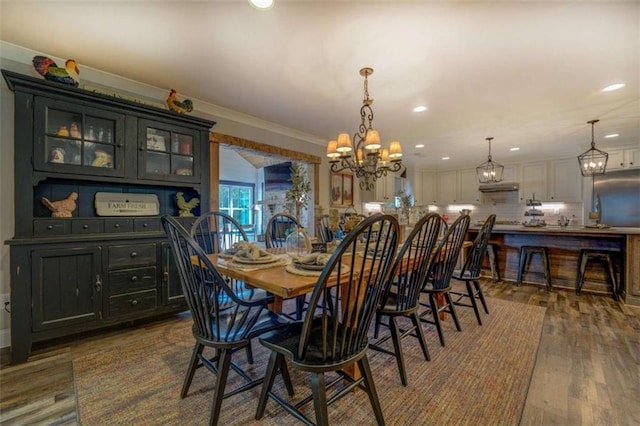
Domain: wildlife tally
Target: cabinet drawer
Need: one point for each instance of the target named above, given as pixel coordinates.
(129, 280)
(132, 302)
(86, 226)
(118, 225)
(146, 225)
(132, 255)
(51, 227)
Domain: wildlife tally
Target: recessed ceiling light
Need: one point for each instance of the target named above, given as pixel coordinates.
(420, 108)
(261, 4)
(613, 87)
(612, 135)
(515, 148)
(446, 158)
(420, 145)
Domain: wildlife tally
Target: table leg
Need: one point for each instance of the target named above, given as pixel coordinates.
(276, 306)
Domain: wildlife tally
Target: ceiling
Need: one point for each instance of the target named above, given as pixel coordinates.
(528, 74)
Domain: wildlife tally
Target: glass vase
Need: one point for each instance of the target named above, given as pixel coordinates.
(298, 243)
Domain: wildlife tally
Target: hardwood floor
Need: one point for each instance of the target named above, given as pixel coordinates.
(586, 371)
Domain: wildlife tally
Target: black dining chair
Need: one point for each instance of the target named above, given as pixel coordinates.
(278, 227)
(216, 232)
(470, 272)
(403, 290)
(333, 334)
(221, 320)
(445, 258)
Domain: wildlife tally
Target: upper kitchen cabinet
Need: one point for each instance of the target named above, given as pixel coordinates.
(623, 159)
(565, 180)
(446, 187)
(385, 189)
(468, 187)
(457, 186)
(533, 182)
(427, 192)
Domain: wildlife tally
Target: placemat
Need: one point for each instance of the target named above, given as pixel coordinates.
(282, 260)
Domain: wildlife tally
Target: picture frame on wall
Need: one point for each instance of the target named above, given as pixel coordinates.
(341, 189)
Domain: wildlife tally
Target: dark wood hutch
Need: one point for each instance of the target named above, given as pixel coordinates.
(73, 274)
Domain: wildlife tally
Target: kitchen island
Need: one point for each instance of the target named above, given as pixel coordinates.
(563, 245)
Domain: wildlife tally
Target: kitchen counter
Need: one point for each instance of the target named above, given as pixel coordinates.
(563, 245)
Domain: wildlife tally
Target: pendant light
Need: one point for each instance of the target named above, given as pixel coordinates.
(593, 161)
(489, 171)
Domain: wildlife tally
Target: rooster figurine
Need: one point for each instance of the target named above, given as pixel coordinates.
(178, 106)
(186, 206)
(47, 68)
(61, 208)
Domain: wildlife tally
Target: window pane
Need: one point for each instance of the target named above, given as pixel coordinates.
(237, 200)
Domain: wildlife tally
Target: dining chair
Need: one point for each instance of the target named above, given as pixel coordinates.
(470, 272)
(403, 290)
(278, 227)
(438, 281)
(216, 232)
(333, 333)
(221, 320)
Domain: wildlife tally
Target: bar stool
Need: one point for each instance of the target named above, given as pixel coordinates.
(493, 263)
(528, 252)
(600, 255)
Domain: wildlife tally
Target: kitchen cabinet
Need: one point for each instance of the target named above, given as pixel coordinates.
(457, 186)
(533, 181)
(565, 180)
(428, 188)
(447, 185)
(90, 270)
(623, 159)
(385, 189)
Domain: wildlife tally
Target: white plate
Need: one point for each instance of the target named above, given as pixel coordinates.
(260, 261)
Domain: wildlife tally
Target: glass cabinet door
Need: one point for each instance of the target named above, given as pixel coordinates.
(167, 152)
(70, 138)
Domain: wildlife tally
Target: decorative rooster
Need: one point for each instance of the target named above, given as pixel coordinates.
(177, 106)
(186, 206)
(47, 68)
(61, 208)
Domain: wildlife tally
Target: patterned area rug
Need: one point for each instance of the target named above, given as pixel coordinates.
(480, 377)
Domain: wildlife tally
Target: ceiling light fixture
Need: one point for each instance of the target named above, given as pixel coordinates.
(446, 158)
(420, 145)
(612, 135)
(515, 148)
(261, 4)
(420, 108)
(612, 87)
(489, 171)
(593, 161)
(370, 161)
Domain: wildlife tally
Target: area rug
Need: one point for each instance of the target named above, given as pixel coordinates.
(480, 377)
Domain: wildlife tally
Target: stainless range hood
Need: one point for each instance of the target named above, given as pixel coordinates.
(499, 187)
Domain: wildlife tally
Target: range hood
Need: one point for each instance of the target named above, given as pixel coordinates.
(499, 187)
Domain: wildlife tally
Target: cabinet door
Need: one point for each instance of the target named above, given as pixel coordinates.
(534, 181)
(428, 192)
(66, 287)
(167, 152)
(171, 286)
(446, 187)
(565, 181)
(632, 158)
(468, 187)
(615, 160)
(384, 188)
(77, 139)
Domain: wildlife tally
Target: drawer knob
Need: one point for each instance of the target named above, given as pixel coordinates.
(134, 254)
(144, 225)
(85, 226)
(134, 278)
(117, 225)
(134, 302)
(50, 227)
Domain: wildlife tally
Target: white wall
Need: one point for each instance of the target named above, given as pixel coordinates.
(18, 59)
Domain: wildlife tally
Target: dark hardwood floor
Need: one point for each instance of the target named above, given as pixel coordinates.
(587, 369)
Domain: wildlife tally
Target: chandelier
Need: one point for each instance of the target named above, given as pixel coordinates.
(369, 161)
(489, 171)
(593, 161)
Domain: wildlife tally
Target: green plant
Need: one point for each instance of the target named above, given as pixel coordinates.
(300, 189)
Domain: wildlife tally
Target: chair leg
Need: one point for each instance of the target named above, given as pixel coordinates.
(436, 317)
(249, 353)
(299, 307)
(474, 303)
(286, 377)
(191, 370)
(397, 347)
(452, 310)
(614, 286)
(318, 388)
(481, 296)
(275, 360)
(420, 333)
(221, 382)
(376, 330)
(363, 363)
(583, 266)
(547, 268)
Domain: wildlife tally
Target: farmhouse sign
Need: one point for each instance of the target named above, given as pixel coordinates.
(119, 204)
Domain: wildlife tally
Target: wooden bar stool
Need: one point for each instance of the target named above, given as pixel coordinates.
(526, 253)
(600, 255)
(493, 263)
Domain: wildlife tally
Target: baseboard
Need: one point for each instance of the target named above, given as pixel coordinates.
(5, 338)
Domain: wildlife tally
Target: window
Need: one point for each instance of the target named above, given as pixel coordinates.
(236, 199)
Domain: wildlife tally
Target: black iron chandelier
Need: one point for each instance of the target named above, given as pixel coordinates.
(369, 161)
(489, 171)
(593, 161)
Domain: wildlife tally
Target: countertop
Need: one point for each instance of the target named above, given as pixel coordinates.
(555, 229)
